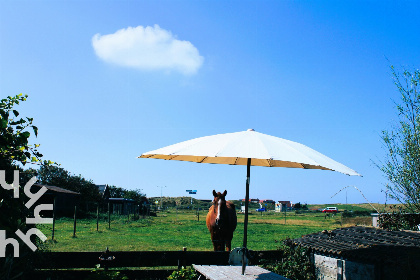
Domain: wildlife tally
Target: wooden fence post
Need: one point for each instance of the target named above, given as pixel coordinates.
(285, 214)
(109, 218)
(74, 226)
(53, 226)
(97, 218)
(182, 261)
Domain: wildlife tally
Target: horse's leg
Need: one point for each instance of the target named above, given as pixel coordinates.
(229, 238)
(219, 245)
(228, 245)
(214, 246)
(213, 241)
(217, 242)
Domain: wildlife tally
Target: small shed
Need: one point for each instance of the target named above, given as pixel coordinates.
(364, 253)
(123, 206)
(65, 200)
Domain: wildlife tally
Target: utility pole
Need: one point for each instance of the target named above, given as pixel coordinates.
(161, 195)
(346, 202)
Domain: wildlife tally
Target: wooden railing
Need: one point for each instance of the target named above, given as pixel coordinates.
(78, 265)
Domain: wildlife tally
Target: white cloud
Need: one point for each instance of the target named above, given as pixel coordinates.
(148, 48)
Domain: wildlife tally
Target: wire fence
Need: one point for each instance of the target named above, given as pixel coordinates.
(175, 229)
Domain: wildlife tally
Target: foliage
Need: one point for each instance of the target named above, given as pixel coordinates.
(184, 273)
(399, 220)
(99, 274)
(356, 213)
(115, 191)
(402, 144)
(299, 206)
(14, 151)
(182, 202)
(13, 217)
(136, 195)
(295, 262)
(15, 132)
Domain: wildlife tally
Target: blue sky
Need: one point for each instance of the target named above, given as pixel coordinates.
(110, 80)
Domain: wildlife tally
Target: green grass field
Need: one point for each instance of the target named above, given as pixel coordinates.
(173, 231)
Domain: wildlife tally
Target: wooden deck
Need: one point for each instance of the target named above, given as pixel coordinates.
(218, 272)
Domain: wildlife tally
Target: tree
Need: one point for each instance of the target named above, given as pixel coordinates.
(115, 191)
(136, 195)
(297, 206)
(15, 152)
(402, 143)
(15, 132)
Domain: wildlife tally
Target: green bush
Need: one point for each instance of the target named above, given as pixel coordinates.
(106, 275)
(184, 273)
(399, 220)
(357, 213)
(294, 263)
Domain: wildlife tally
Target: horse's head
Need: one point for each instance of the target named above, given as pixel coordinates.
(219, 203)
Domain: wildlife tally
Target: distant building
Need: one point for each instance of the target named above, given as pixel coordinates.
(288, 203)
(122, 206)
(65, 200)
(267, 201)
(283, 206)
(103, 191)
(251, 200)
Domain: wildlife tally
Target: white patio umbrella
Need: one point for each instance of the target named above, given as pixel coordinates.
(248, 148)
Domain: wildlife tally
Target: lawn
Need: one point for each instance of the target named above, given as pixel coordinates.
(172, 230)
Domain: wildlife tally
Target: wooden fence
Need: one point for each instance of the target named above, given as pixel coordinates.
(135, 264)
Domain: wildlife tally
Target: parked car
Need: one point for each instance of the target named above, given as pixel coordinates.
(330, 210)
(261, 210)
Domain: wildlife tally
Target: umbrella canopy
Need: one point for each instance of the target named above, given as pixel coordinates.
(248, 148)
(236, 148)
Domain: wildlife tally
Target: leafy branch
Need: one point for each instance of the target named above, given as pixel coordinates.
(402, 143)
(15, 132)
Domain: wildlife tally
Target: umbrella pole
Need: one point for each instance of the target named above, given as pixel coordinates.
(244, 249)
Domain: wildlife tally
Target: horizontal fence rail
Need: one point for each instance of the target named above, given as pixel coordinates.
(66, 260)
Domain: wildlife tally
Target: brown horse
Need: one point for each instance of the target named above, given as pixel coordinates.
(221, 222)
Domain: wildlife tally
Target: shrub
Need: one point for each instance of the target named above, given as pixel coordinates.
(399, 220)
(106, 275)
(184, 273)
(350, 214)
(295, 262)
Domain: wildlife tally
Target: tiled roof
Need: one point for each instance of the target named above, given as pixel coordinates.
(363, 243)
